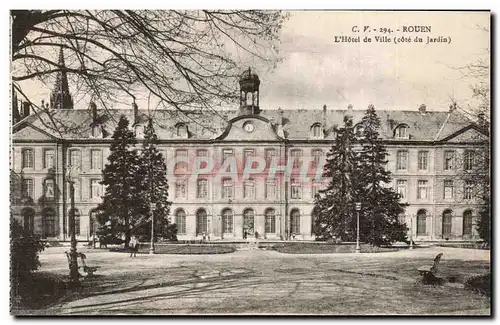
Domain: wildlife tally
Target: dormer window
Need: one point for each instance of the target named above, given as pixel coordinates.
(96, 131)
(182, 131)
(139, 131)
(317, 131)
(401, 132)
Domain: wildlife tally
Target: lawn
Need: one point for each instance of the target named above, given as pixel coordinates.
(317, 248)
(189, 249)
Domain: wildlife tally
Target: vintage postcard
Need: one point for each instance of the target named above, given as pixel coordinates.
(227, 162)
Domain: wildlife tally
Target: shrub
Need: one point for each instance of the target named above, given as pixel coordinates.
(24, 249)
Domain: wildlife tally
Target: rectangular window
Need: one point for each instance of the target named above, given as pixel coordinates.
(469, 159)
(247, 153)
(422, 160)
(269, 154)
(296, 157)
(271, 189)
(402, 160)
(27, 188)
(181, 153)
(448, 189)
(249, 189)
(75, 158)
(296, 189)
(422, 193)
(227, 188)
(202, 188)
(180, 189)
(402, 188)
(96, 159)
(48, 161)
(227, 153)
(317, 156)
(95, 189)
(28, 158)
(49, 189)
(469, 185)
(202, 153)
(449, 160)
(315, 186)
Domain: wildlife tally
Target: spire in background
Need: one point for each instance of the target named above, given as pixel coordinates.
(60, 98)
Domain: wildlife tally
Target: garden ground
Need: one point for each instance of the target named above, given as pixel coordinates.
(269, 282)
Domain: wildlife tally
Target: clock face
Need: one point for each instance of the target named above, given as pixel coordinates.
(248, 127)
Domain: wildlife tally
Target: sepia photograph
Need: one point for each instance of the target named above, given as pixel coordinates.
(250, 162)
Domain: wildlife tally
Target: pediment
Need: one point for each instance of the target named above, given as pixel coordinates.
(468, 134)
(31, 133)
(248, 128)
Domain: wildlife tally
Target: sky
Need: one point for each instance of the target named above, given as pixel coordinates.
(316, 71)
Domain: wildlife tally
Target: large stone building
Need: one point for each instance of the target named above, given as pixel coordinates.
(425, 148)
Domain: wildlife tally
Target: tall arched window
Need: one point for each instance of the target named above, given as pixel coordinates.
(421, 223)
(447, 221)
(180, 221)
(248, 221)
(28, 215)
(314, 218)
(467, 223)
(201, 222)
(93, 221)
(270, 221)
(295, 222)
(49, 222)
(227, 221)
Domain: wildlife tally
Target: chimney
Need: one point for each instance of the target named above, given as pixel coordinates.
(422, 109)
(324, 116)
(280, 116)
(26, 109)
(453, 107)
(136, 112)
(93, 111)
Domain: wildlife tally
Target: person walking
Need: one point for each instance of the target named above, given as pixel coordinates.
(133, 246)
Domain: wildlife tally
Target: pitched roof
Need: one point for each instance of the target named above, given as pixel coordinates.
(77, 124)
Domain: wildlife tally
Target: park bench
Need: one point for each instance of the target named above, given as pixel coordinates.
(428, 272)
(90, 270)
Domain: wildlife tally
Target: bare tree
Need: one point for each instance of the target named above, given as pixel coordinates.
(182, 59)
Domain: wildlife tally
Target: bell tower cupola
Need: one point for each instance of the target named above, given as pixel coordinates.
(249, 93)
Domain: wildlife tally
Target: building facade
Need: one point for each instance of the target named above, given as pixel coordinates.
(426, 151)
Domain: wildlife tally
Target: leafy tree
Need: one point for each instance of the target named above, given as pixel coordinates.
(379, 223)
(122, 199)
(335, 205)
(153, 175)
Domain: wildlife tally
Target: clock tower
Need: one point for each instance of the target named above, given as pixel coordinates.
(249, 93)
